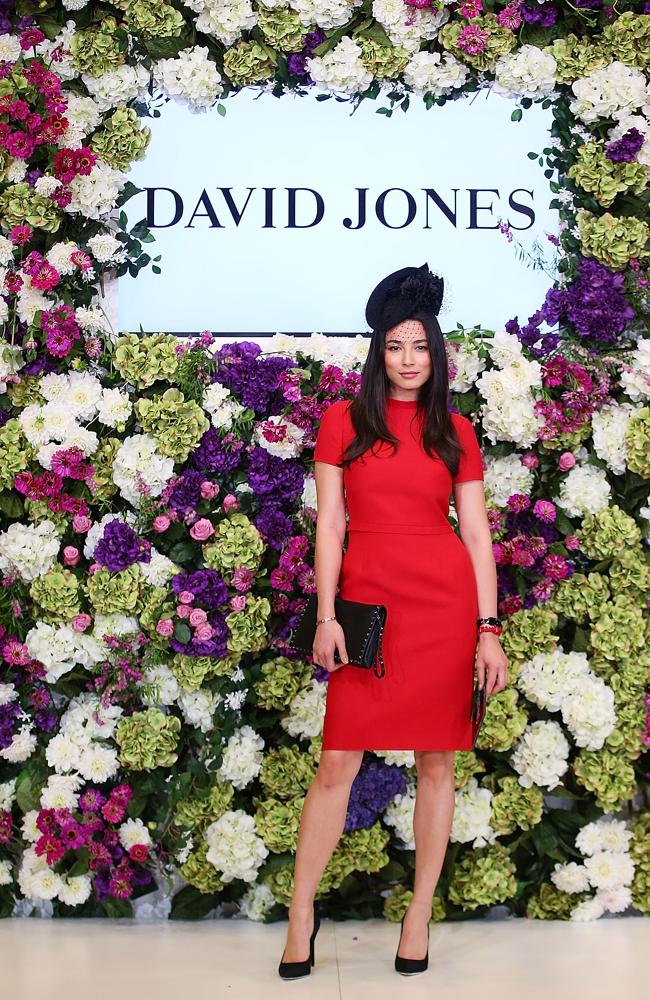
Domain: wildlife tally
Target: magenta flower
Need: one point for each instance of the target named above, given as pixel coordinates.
(473, 39)
(31, 37)
(556, 567)
(470, 8)
(510, 17)
(545, 511)
(20, 145)
(518, 502)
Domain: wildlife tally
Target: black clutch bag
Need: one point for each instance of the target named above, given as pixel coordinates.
(363, 627)
(479, 702)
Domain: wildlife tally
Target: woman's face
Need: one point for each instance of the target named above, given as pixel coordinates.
(406, 349)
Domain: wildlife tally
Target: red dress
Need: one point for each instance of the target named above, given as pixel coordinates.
(403, 552)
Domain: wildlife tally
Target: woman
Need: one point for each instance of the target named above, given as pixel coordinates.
(394, 454)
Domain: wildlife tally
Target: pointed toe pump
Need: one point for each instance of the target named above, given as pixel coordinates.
(410, 966)
(296, 970)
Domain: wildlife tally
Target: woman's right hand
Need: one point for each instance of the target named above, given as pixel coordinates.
(329, 636)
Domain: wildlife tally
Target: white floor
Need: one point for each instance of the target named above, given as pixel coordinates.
(209, 960)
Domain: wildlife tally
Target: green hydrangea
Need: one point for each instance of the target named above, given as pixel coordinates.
(37, 511)
(606, 533)
(385, 62)
(121, 140)
(249, 62)
(155, 603)
(629, 573)
(637, 441)
(359, 850)
(177, 424)
(198, 811)
(550, 903)
(515, 807)
(483, 877)
(527, 632)
(248, 629)
(152, 18)
(567, 440)
(141, 361)
(500, 41)
(603, 178)
(286, 771)
(236, 542)
(21, 205)
(25, 392)
(640, 853)
(281, 680)
(619, 630)
(115, 593)
(103, 460)
(504, 722)
(57, 595)
(612, 239)
(192, 671)
(280, 882)
(609, 776)
(580, 596)
(576, 57)
(398, 900)
(282, 28)
(147, 739)
(200, 873)
(466, 764)
(627, 39)
(15, 453)
(277, 822)
(98, 49)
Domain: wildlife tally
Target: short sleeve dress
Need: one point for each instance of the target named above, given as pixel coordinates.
(402, 551)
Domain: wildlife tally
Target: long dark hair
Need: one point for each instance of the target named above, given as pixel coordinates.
(367, 409)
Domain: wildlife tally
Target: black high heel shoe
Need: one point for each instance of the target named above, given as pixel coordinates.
(296, 970)
(409, 966)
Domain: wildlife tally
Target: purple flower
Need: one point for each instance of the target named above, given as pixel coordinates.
(253, 380)
(624, 150)
(120, 547)
(543, 14)
(208, 587)
(213, 455)
(274, 526)
(276, 480)
(594, 303)
(186, 493)
(376, 784)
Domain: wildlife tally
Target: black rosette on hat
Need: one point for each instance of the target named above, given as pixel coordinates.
(403, 293)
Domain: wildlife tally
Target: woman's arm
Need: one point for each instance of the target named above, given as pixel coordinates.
(328, 555)
(469, 501)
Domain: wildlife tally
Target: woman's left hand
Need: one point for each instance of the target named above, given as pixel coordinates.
(491, 663)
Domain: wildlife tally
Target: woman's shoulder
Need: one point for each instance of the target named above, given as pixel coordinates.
(338, 409)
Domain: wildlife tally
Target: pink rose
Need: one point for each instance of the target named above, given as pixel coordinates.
(81, 523)
(530, 460)
(165, 627)
(209, 490)
(81, 622)
(186, 597)
(237, 603)
(201, 530)
(93, 568)
(567, 461)
(161, 523)
(71, 555)
(230, 502)
(198, 616)
(183, 610)
(203, 632)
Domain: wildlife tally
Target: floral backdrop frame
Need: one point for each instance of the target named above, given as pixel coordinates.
(158, 501)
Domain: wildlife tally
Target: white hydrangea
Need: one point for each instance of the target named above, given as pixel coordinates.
(609, 92)
(113, 625)
(198, 708)
(340, 69)
(190, 78)
(223, 409)
(64, 66)
(160, 684)
(8, 693)
(242, 758)
(588, 712)
(10, 50)
(234, 848)
(60, 254)
(22, 746)
(324, 13)
(94, 194)
(84, 116)
(76, 746)
(225, 19)
(159, 570)
(635, 374)
(403, 758)
(527, 72)
(548, 678)
(435, 73)
(604, 834)
(105, 248)
(570, 877)
(608, 427)
(472, 815)
(467, 364)
(409, 26)
(584, 490)
(399, 815)
(609, 869)
(508, 412)
(118, 86)
(132, 832)
(29, 549)
(60, 647)
(279, 436)
(505, 475)
(7, 794)
(306, 711)
(6, 878)
(138, 461)
(257, 901)
(114, 407)
(541, 754)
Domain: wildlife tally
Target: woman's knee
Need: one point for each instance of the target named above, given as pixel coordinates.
(435, 765)
(338, 767)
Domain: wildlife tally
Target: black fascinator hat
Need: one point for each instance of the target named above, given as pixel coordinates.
(403, 293)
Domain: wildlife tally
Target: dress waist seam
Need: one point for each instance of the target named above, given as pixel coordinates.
(414, 529)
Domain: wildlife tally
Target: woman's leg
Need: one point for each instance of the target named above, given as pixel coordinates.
(434, 811)
(321, 825)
